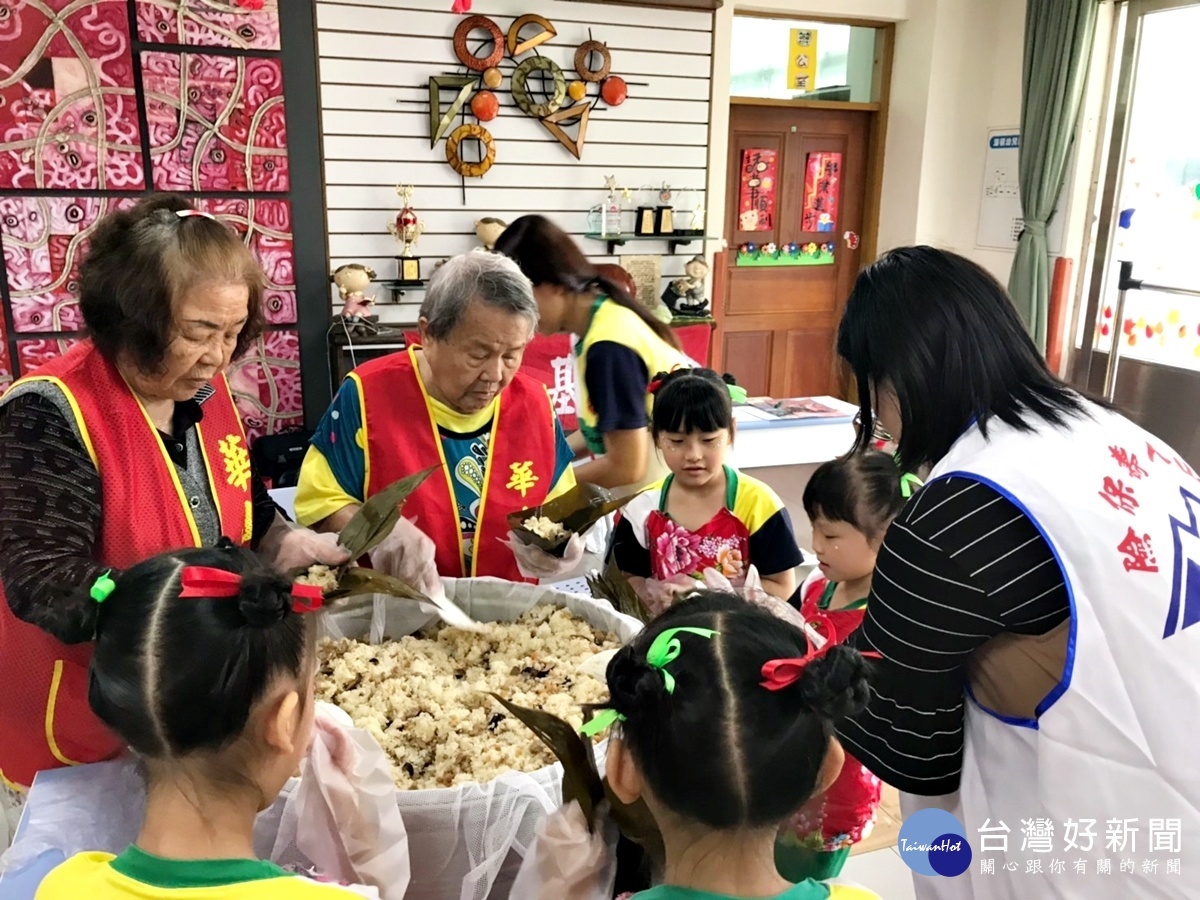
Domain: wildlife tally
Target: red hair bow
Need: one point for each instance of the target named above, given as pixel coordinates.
(202, 581)
(782, 673)
(653, 386)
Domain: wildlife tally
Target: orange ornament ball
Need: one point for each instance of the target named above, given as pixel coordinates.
(577, 90)
(614, 90)
(493, 77)
(485, 106)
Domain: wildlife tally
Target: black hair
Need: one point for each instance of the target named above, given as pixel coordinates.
(941, 332)
(861, 489)
(547, 255)
(762, 750)
(688, 400)
(174, 676)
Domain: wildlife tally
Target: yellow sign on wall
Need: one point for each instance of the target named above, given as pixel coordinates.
(802, 60)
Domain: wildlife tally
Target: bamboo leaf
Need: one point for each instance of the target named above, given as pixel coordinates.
(636, 823)
(378, 516)
(581, 780)
(576, 511)
(614, 587)
(357, 580)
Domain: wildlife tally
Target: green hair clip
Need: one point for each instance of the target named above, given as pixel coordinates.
(909, 485)
(666, 649)
(737, 394)
(103, 587)
(601, 722)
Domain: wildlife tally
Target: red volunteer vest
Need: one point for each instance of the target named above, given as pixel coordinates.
(45, 720)
(402, 438)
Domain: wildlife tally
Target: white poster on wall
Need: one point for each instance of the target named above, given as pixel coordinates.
(1000, 220)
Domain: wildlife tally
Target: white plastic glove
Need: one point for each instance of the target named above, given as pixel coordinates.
(347, 821)
(751, 590)
(661, 595)
(568, 860)
(534, 562)
(287, 546)
(408, 554)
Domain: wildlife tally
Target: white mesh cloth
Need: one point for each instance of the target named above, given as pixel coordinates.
(465, 842)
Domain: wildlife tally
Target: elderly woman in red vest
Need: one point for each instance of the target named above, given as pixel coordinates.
(126, 446)
(455, 401)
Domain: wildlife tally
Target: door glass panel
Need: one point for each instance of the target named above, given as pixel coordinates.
(1159, 222)
(838, 61)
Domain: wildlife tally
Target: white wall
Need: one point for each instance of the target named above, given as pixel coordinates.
(375, 124)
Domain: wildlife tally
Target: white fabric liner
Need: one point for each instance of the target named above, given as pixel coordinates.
(465, 842)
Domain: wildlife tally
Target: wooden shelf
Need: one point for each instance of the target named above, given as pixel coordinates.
(673, 240)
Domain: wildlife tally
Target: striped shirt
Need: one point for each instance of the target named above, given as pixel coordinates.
(960, 565)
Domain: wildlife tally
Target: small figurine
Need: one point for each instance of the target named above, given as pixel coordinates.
(685, 296)
(352, 280)
(488, 230)
(407, 227)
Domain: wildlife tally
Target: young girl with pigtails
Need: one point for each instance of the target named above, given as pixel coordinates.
(717, 673)
(204, 668)
(850, 502)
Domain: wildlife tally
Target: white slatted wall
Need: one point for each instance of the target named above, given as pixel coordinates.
(374, 53)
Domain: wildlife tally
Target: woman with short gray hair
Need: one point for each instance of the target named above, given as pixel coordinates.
(457, 401)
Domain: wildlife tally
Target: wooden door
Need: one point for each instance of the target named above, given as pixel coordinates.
(777, 325)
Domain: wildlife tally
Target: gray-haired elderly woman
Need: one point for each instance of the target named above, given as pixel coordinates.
(456, 401)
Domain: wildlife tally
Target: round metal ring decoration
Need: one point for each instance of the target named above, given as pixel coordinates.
(465, 133)
(465, 56)
(583, 61)
(520, 87)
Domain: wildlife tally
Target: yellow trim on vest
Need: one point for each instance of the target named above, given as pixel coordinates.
(621, 325)
(12, 785)
(248, 519)
(488, 474)
(437, 442)
(366, 442)
(83, 430)
(183, 500)
(50, 704)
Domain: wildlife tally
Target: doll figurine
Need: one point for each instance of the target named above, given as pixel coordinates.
(488, 230)
(352, 280)
(685, 296)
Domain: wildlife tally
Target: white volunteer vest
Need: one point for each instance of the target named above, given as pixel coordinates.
(1120, 736)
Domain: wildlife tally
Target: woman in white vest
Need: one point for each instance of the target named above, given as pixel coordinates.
(1035, 604)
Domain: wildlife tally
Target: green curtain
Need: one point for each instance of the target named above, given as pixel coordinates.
(1058, 48)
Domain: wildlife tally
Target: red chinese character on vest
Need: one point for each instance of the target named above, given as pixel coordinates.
(1118, 496)
(1128, 461)
(1139, 556)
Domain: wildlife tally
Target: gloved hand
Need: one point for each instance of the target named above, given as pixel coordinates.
(660, 595)
(751, 590)
(568, 859)
(347, 821)
(534, 562)
(408, 554)
(287, 546)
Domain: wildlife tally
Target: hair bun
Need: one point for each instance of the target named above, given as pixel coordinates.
(265, 599)
(835, 684)
(632, 682)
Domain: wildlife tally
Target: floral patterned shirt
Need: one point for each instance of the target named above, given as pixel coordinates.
(753, 528)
